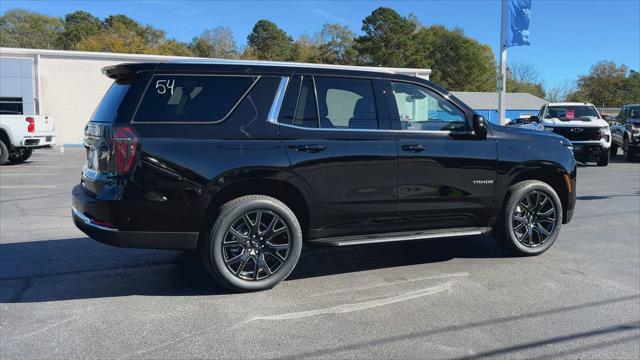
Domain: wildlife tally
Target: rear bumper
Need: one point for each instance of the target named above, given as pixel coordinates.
(40, 141)
(85, 205)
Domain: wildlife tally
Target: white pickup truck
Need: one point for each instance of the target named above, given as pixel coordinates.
(20, 134)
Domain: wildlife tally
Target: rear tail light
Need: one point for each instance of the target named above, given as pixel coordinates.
(31, 126)
(124, 145)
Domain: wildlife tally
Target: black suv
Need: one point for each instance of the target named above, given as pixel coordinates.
(246, 161)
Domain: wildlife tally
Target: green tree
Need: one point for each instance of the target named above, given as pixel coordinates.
(337, 44)
(78, 26)
(631, 88)
(24, 29)
(458, 62)
(604, 85)
(269, 42)
(387, 39)
(524, 78)
(305, 49)
(215, 43)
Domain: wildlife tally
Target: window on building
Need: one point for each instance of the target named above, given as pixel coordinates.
(11, 105)
(185, 98)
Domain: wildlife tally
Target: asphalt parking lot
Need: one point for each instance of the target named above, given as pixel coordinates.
(63, 295)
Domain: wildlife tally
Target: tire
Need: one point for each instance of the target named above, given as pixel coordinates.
(507, 235)
(614, 149)
(240, 215)
(4, 153)
(629, 153)
(21, 155)
(603, 159)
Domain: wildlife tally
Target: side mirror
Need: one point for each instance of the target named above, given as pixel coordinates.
(607, 117)
(479, 126)
(534, 119)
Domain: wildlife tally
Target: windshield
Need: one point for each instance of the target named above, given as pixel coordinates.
(570, 112)
(634, 112)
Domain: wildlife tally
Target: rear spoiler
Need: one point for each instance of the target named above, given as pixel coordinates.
(122, 73)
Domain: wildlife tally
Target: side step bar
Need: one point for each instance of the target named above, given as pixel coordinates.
(401, 236)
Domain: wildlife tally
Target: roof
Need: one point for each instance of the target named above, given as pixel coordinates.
(489, 100)
(17, 52)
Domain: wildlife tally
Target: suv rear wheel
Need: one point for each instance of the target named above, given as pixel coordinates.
(254, 244)
(531, 220)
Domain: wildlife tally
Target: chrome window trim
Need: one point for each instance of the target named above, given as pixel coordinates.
(370, 130)
(233, 108)
(274, 112)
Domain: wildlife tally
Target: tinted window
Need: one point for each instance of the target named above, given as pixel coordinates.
(108, 108)
(11, 105)
(571, 112)
(306, 111)
(422, 109)
(185, 98)
(346, 103)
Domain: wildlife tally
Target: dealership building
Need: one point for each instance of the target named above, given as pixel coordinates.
(68, 85)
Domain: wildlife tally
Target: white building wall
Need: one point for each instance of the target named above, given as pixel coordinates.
(71, 90)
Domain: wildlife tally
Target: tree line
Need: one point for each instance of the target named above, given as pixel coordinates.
(459, 63)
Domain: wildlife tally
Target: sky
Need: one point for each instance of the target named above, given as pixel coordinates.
(567, 36)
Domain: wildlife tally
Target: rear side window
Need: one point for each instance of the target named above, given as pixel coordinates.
(108, 108)
(346, 103)
(192, 98)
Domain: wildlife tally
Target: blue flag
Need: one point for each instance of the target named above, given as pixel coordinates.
(518, 16)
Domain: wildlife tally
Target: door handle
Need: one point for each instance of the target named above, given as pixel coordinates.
(414, 148)
(310, 148)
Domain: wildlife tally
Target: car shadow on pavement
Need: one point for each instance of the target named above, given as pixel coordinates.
(80, 268)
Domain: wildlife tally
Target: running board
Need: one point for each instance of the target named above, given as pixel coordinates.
(401, 236)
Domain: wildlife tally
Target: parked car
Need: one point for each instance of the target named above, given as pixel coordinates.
(21, 134)
(244, 162)
(625, 132)
(583, 125)
(527, 123)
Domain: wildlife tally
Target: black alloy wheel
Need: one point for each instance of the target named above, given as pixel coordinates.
(534, 219)
(256, 245)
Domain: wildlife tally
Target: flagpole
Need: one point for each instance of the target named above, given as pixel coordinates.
(502, 81)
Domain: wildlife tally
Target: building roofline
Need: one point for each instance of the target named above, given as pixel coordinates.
(20, 52)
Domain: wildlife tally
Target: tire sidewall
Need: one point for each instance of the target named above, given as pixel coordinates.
(220, 229)
(515, 199)
(27, 152)
(4, 153)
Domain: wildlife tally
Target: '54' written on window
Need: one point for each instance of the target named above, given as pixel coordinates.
(162, 86)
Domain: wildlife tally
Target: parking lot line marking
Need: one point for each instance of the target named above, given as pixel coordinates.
(28, 187)
(14, 174)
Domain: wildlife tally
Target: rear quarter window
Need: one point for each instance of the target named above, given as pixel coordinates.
(192, 98)
(107, 110)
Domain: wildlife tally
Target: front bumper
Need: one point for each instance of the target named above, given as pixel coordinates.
(85, 205)
(588, 150)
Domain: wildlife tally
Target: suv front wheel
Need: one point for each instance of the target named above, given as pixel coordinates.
(254, 244)
(531, 220)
